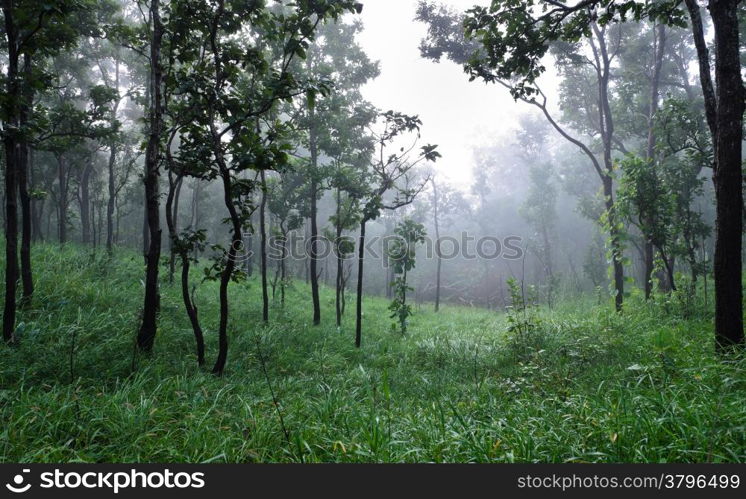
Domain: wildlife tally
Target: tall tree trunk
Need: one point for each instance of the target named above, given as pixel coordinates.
(11, 144)
(227, 274)
(85, 202)
(606, 123)
(340, 264)
(728, 175)
(438, 257)
(62, 201)
(283, 267)
(359, 303)
(659, 44)
(314, 250)
(111, 202)
(147, 333)
(263, 249)
(24, 166)
(37, 205)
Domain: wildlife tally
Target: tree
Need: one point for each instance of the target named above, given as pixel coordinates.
(151, 304)
(236, 65)
(330, 120)
(402, 254)
(539, 208)
(390, 172)
(284, 192)
(445, 203)
(349, 146)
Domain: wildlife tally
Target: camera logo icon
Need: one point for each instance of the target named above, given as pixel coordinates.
(17, 485)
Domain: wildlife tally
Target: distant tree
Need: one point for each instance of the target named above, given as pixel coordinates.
(446, 203)
(539, 209)
(283, 193)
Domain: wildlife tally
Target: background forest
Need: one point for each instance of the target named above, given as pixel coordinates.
(217, 249)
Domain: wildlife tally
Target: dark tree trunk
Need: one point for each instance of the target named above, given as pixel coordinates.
(62, 201)
(648, 262)
(616, 246)
(191, 308)
(263, 249)
(339, 282)
(728, 175)
(439, 267)
(171, 216)
(283, 267)
(359, 298)
(85, 203)
(660, 47)
(225, 278)
(37, 205)
(11, 144)
(111, 202)
(24, 166)
(314, 250)
(606, 123)
(147, 333)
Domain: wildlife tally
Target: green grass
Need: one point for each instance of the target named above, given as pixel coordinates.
(584, 385)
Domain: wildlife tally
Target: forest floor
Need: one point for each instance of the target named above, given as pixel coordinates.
(579, 383)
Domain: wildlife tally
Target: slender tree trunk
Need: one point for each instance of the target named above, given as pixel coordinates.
(313, 147)
(147, 333)
(659, 43)
(111, 202)
(85, 203)
(359, 303)
(283, 268)
(170, 209)
(62, 201)
(728, 175)
(616, 248)
(10, 142)
(24, 166)
(606, 123)
(436, 220)
(227, 274)
(37, 205)
(339, 278)
(191, 308)
(263, 243)
(93, 225)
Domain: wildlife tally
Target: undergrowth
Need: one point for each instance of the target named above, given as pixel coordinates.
(577, 383)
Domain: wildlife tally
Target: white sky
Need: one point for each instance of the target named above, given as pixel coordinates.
(456, 114)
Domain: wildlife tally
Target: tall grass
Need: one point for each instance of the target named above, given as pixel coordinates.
(584, 384)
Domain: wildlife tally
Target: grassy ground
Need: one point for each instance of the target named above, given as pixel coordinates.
(580, 384)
